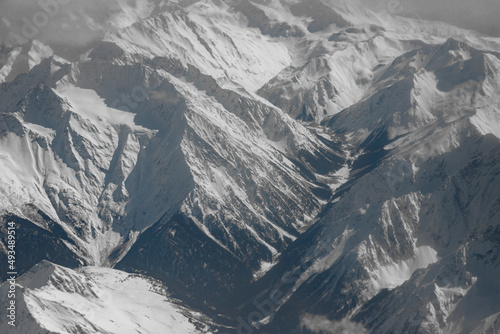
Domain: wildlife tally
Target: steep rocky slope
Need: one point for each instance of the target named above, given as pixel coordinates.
(281, 166)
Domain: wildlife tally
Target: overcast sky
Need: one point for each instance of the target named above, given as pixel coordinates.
(480, 15)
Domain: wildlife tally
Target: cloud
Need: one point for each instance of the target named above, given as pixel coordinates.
(56, 22)
(479, 15)
(322, 325)
(81, 22)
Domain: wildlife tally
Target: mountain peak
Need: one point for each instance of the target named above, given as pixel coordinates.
(259, 161)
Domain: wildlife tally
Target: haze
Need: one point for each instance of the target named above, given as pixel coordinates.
(68, 28)
(479, 15)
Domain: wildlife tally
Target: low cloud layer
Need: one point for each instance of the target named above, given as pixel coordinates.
(52, 21)
(57, 22)
(322, 325)
(479, 15)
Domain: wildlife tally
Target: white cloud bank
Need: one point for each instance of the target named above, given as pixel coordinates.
(322, 325)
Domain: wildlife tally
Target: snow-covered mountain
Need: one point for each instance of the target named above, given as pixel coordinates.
(130, 136)
(236, 150)
(54, 299)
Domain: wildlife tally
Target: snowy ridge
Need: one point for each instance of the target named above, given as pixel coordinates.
(344, 158)
(97, 300)
(106, 167)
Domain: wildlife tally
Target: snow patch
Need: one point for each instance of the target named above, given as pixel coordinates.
(393, 275)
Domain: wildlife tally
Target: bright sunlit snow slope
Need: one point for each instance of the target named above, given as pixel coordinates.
(218, 146)
(54, 299)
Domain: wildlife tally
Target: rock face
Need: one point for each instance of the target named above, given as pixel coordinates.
(281, 166)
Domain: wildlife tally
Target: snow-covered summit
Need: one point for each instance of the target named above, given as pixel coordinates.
(217, 145)
(54, 299)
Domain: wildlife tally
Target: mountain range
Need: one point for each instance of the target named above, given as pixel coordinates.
(254, 166)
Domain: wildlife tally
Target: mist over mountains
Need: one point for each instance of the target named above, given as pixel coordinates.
(255, 166)
(478, 15)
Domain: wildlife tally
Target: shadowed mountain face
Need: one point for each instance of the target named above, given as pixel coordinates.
(279, 166)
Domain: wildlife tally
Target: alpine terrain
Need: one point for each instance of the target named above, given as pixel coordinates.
(247, 166)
